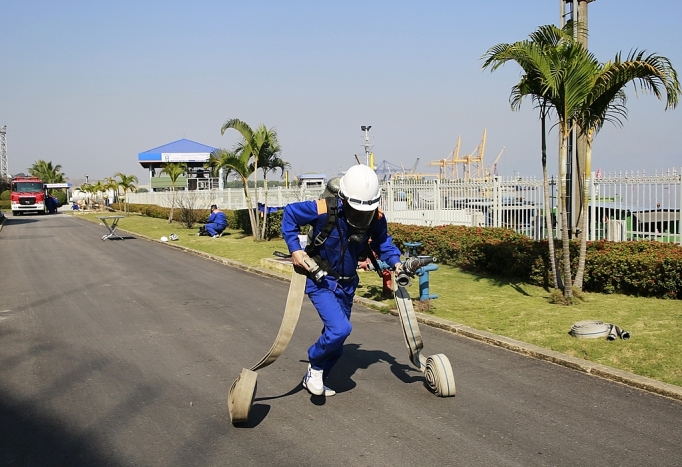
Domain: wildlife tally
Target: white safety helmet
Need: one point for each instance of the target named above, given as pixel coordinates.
(164, 239)
(173, 237)
(359, 188)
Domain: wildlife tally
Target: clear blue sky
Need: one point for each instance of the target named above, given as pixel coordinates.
(89, 85)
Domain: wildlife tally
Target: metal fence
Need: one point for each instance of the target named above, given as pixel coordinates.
(625, 206)
(633, 206)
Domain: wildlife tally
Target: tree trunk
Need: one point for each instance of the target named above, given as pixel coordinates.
(556, 279)
(568, 287)
(580, 273)
(265, 206)
(170, 215)
(256, 232)
(249, 205)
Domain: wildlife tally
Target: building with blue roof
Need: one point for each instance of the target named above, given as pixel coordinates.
(186, 151)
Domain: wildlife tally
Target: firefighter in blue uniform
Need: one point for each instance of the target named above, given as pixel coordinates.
(357, 220)
(216, 223)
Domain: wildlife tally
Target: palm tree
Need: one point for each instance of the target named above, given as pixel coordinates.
(46, 171)
(89, 190)
(127, 182)
(111, 184)
(252, 145)
(584, 94)
(238, 163)
(174, 170)
(540, 59)
(213, 165)
(99, 189)
(270, 162)
(606, 103)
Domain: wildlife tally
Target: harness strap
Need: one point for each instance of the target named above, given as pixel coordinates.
(330, 205)
(370, 254)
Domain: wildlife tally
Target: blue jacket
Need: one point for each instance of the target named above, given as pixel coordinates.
(315, 214)
(218, 218)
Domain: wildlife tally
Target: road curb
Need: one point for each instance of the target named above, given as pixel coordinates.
(578, 364)
(523, 348)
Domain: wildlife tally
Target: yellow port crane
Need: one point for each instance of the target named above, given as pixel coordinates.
(471, 164)
(492, 170)
(468, 167)
(411, 174)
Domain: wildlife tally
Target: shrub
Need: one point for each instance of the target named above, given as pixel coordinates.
(643, 268)
(61, 197)
(243, 222)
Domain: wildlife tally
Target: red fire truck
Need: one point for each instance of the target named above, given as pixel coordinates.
(28, 195)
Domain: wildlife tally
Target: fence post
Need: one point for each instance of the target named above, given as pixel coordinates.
(679, 208)
(389, 200)
(438, 213)
(592, 207)
(497, 202)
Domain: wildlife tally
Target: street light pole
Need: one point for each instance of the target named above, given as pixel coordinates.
(366, 128)
(576, 11)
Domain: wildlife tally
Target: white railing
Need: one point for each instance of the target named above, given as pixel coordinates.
(622, 206)
(634, 206)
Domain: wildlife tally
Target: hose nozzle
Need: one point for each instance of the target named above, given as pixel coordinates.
(314, 270)
(410, 268)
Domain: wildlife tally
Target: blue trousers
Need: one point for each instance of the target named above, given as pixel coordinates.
(334, 307)
(214, 228)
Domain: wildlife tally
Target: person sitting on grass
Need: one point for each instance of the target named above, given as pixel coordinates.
(216, 224)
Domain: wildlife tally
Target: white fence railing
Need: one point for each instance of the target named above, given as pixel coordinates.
(636, 206)
(621, 207)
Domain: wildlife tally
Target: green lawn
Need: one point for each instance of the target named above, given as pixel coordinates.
(516, 310)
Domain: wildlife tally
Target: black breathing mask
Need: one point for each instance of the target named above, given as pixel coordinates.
(358, 221)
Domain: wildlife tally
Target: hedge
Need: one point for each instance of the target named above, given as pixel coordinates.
(641, 268)
(238, 220)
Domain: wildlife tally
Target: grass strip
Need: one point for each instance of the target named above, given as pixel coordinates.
(507, 308)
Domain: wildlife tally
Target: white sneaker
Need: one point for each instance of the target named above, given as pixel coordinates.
(328, 392)
(312, 381)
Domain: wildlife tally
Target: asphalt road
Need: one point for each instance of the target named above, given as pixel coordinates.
(122, 353)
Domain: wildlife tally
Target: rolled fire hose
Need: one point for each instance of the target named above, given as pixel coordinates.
(592, 329)
(243, 390)
(436, 368)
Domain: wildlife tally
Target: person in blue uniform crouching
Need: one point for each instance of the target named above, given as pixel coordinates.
(357, 221)
(216, 223)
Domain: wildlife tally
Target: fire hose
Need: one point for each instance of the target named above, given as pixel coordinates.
(437, 370)
(243, 390)
(592, 329)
